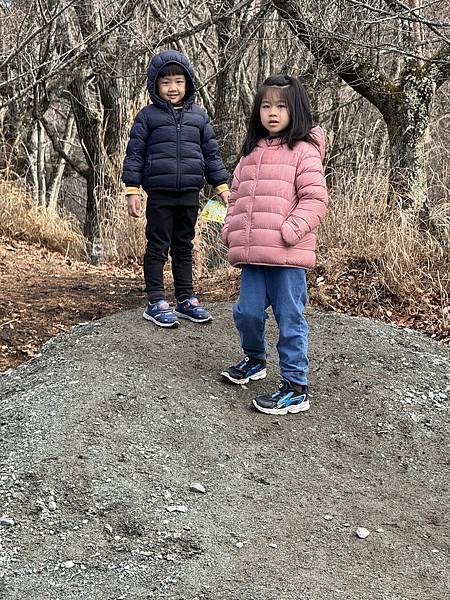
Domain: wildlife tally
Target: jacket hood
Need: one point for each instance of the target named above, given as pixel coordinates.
(319, 136)
(161, 60)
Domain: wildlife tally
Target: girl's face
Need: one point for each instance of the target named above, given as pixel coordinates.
(274, 112)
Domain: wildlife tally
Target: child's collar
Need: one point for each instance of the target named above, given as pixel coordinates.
(270, 142)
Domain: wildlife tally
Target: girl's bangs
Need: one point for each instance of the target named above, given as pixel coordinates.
(276, 93)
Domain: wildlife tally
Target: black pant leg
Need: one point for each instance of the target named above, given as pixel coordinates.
(160, 219)
(185, 218)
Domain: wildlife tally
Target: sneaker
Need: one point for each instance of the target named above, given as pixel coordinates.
(289, 398)
(161, 314)
(247, 369)
(191, 309)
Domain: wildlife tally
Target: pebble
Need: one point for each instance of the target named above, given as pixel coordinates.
(362, 532)
(197, 487)
(7, 521)
(380, 530)
(239, 544)
(273, 546)
(328, 517)
(68, 564)
(177, 508)
(52, 505)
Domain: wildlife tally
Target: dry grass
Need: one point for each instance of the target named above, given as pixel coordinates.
(372, 260)
(385, 253)
(21, 218)
(123, 239)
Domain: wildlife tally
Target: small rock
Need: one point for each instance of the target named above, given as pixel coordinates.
(328, 517)
(239, 544)
(435, 551)
(7, 521)
(177, 508)
(362, 532)
(380, 530)
(273, 546)
(197, 487)
(69, 564)
(52, 505)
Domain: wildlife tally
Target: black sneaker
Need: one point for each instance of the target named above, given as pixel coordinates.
(247, 369)
(289, 398)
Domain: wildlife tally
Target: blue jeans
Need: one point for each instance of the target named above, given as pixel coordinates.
(283, 288)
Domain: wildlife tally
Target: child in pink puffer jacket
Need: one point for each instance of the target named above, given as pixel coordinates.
(278, 199)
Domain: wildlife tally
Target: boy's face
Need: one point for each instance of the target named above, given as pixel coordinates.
(172, 88)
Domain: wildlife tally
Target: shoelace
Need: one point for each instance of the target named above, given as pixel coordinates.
(240, 366)
(282, 388)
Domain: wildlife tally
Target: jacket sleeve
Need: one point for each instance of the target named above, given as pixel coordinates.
(231, 202)
(312, 198)
(215, 171)
(134, 162)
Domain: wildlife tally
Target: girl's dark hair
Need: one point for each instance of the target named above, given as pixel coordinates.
(171, 69)
(297, 102)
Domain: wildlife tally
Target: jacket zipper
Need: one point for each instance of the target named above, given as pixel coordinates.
(178, 127)
(258, 169)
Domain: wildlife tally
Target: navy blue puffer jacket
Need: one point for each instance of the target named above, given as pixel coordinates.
(164, 154)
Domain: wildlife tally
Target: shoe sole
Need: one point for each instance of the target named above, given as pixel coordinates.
(294, 409)
(183, 316)
(259, 375)
(173, 325)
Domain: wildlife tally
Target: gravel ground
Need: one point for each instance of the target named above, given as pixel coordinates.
(103, 433)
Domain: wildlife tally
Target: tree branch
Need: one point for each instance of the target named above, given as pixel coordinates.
(363, 76)
(439, 68)
(58, 147)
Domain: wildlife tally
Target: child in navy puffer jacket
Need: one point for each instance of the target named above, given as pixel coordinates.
(171, 150)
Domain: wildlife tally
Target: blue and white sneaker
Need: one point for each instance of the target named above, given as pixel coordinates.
(249, 368)
(191, 309)
(161, 314)
(289, 398)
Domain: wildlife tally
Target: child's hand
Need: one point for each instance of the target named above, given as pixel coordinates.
(225, 196)
(134, 205)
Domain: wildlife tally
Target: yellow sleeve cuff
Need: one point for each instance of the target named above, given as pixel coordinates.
(130, 191)
(223, 187)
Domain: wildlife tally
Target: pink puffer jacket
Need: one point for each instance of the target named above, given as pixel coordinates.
(278, 199)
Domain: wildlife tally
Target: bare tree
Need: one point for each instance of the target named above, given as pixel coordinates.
(339, 38)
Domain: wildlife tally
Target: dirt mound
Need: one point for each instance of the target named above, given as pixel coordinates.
(102, 435)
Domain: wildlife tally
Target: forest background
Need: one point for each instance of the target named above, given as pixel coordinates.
(73, 76)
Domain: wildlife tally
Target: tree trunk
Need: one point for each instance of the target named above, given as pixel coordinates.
(225, 102)
(41, 170)
(100, 179)
(407, 119)
(408, 168)
(31, 150)
(55, 185)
